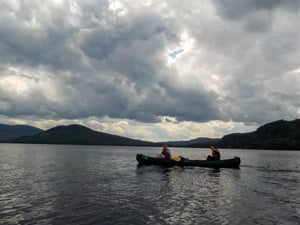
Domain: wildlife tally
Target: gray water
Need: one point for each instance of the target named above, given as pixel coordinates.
(59, 184)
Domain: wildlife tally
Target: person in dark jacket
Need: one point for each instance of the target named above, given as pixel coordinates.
(215, 153)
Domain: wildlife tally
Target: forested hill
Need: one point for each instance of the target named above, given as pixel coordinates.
(9, 132)
(280, 134)
(79, 135)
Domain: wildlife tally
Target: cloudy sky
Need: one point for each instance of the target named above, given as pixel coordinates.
(151, 70)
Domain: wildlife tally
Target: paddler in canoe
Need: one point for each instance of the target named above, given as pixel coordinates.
(165, 153)
(215, 153)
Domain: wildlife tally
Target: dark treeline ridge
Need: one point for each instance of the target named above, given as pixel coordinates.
(78, 135)
(277, 135)
(9, 132)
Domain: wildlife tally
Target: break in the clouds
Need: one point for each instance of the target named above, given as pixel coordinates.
(154, 70)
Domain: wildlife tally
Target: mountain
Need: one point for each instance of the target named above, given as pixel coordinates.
(79, 135)
(9, 132)
(279, 134)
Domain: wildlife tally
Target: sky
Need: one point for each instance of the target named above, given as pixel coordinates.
(150, 70)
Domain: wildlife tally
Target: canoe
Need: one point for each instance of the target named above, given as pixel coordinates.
(224, 163)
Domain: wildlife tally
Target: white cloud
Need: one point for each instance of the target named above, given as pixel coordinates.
(150, 69)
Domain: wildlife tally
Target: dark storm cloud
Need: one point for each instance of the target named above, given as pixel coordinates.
(77, 59)
(234, 9)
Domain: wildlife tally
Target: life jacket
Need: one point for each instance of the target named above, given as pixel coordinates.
(166, 154)
(216, 154)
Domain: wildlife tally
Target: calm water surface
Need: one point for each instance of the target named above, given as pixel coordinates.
(57, 184)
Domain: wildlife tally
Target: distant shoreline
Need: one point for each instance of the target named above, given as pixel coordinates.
(294, 150)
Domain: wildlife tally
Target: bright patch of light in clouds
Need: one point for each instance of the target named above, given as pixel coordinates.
(185, 45)
(117, 7)
(58, 2)
(296, 71)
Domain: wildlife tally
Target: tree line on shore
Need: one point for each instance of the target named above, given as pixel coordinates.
(277, 135)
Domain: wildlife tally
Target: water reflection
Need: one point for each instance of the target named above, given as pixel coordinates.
(215, 171)
(104, 185)
(185, 193)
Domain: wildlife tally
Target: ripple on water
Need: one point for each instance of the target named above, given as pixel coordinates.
(85, 185)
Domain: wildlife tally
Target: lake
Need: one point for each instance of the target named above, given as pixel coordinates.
(62, 184)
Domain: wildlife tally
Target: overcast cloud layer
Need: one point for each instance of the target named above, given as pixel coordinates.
(153, 70)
